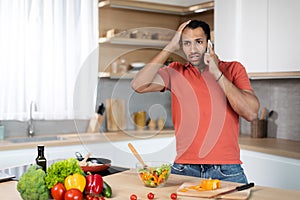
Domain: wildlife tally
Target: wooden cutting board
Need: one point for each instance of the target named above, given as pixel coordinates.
(115, 114)
(225, 186)
(9, 190)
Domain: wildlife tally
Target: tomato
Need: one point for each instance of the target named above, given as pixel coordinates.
(58, 191)
(89, 197)
(150, 195)
(133, 197)
(73, 194)
(173, 196)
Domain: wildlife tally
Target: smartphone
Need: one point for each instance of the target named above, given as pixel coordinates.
(209, 44)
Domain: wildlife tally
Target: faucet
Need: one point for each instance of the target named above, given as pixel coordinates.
(30, 128)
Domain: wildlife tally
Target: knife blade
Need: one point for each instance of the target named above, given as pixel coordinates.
(238, 188)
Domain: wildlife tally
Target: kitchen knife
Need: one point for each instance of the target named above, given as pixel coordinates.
(96, 122)
(101, 109)
(100, 116)
(238, 188)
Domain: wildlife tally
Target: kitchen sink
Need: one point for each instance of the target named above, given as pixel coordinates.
(35, 139)
(17, 171)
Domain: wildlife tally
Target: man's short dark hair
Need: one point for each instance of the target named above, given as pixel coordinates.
(196, 24)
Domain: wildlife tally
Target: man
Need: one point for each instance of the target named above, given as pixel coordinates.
(208, 96)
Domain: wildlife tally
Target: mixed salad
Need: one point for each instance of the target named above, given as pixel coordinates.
(155, 176)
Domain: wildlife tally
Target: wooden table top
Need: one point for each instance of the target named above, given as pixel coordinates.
(126, 183)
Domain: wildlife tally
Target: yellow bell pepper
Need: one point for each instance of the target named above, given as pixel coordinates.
(161, 177)
(153, 178)
(210, 184)
(75, 181)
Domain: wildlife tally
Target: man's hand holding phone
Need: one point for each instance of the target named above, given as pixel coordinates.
(211, 59)
(209, 46)
(207, 56)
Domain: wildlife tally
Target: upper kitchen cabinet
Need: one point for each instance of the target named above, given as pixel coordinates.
(241, 32)
(283, 35)
(261, 34)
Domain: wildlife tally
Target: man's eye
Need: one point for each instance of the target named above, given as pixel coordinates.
(187, 43)
(199, 42)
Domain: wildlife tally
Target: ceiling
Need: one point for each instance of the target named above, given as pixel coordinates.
(178, 7)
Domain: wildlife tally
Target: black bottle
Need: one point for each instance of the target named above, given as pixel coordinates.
(40, 159)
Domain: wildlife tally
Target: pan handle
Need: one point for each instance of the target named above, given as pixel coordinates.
(78, 156)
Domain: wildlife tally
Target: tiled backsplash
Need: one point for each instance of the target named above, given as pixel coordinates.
(50, 127)
(280, 95)
(283, 97)
(157, 104)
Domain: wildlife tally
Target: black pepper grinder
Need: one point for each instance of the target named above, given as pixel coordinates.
(40, 159)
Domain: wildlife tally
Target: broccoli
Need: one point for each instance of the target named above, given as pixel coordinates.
(32, 186)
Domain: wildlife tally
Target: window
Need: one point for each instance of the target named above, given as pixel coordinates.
(49, 55)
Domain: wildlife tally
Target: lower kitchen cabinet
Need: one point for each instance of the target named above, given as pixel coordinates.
(273, 171)
(118, 152)
(20, 157)
(262, 169)
(155, 149)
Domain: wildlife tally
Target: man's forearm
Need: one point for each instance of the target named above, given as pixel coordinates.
(245, 103)
(147, 79)
(146, 76)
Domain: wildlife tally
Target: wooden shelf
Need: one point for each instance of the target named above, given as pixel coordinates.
(252, 76)
(273, 75)
(133, 42)
(127, 75)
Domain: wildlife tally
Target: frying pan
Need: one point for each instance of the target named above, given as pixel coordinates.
(104, 163)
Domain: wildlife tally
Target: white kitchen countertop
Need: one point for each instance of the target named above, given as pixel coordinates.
(273, 146)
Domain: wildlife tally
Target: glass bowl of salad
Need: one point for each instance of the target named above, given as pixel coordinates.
(154, 174)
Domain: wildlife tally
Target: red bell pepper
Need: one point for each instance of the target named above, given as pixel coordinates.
(94, 184)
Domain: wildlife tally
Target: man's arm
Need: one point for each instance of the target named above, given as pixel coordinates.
(147, 79)
(243, 102)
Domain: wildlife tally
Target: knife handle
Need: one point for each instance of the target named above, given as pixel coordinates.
(244, 187)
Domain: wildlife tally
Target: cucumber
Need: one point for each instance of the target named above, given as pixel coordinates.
(106, 191)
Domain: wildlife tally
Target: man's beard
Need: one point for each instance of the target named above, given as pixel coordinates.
(199, 63)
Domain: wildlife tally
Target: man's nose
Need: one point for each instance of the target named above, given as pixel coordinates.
(194, 46)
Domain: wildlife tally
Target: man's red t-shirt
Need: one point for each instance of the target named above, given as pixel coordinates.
(206, 126)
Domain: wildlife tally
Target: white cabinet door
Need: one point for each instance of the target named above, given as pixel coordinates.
(284, 32)
(225, 30)
(13, 158)
(252, 48)
(271, 171)
(241, 32)
(262, 34)
(151, 149)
